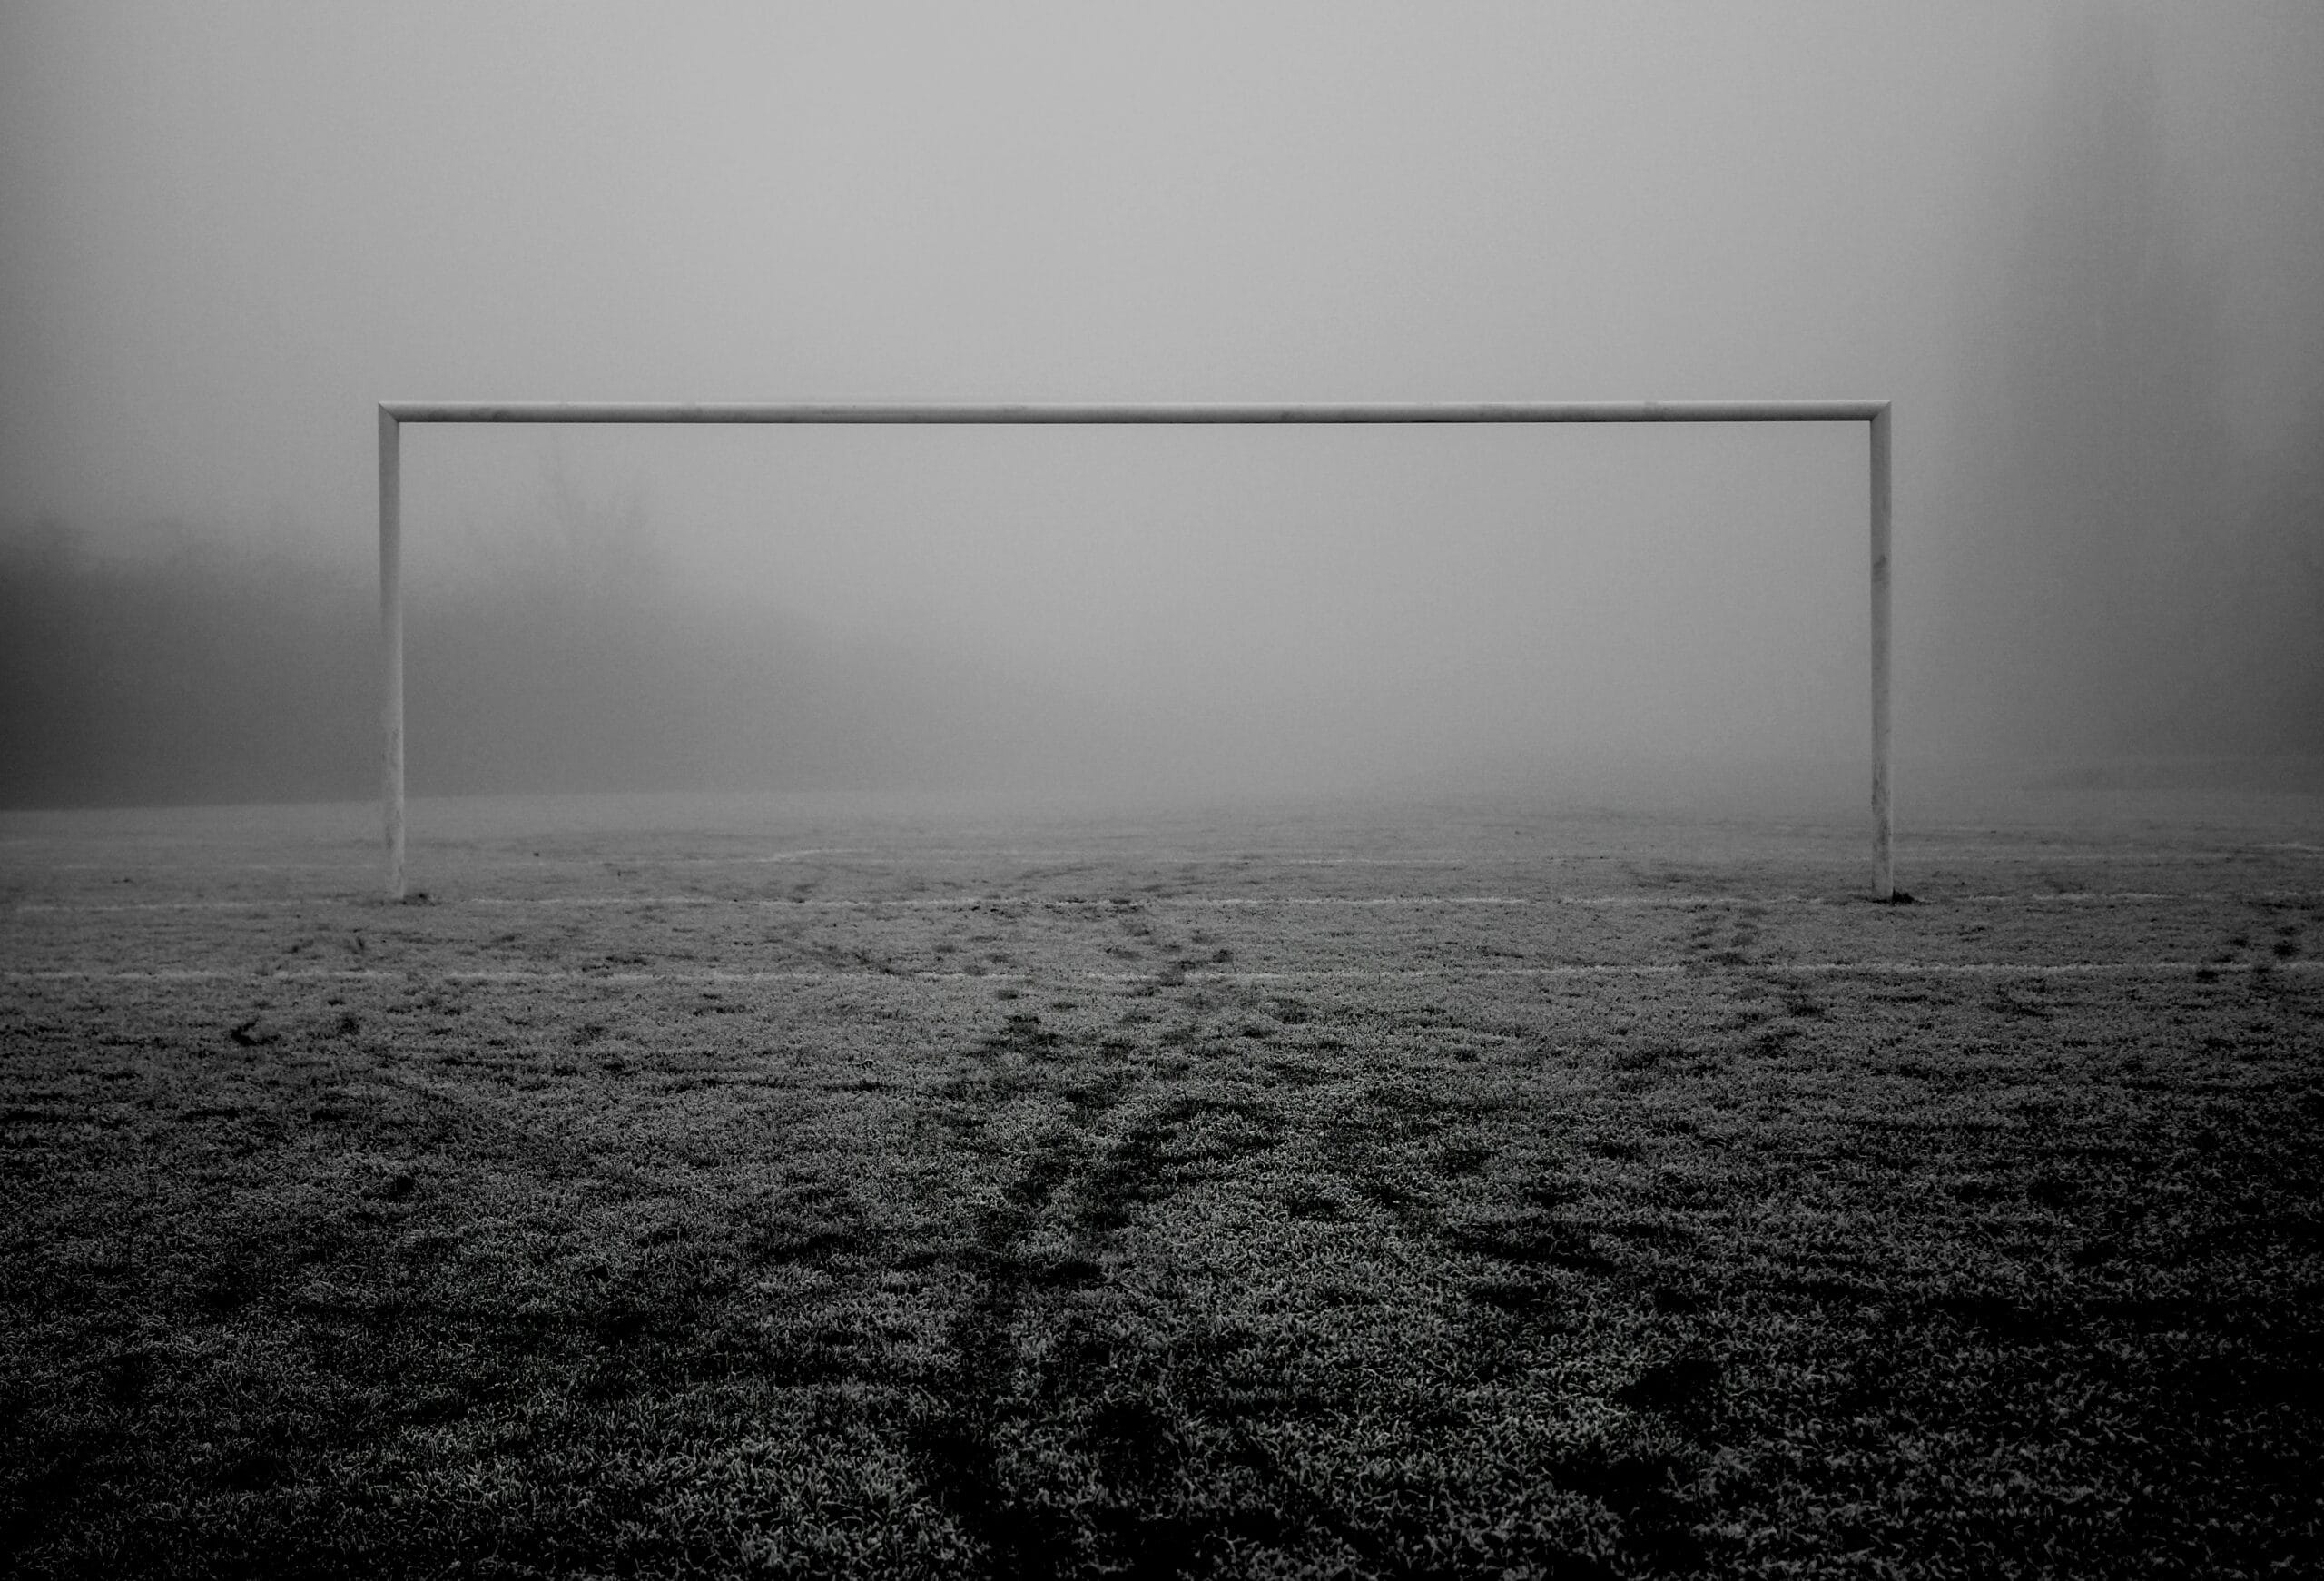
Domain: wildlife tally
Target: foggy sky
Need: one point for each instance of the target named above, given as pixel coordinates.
(227, 231)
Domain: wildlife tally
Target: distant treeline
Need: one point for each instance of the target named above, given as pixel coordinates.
(217, 674)
(201, 676)
(2123, 574)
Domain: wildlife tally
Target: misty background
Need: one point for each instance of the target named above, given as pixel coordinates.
(2076, 245)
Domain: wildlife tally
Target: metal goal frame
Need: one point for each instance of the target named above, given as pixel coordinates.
(394, 414)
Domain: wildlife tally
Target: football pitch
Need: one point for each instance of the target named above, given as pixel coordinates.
(694, 1187)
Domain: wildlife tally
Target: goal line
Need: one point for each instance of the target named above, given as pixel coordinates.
(394, 414)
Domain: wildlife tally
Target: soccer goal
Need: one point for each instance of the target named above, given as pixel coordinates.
(393, 415)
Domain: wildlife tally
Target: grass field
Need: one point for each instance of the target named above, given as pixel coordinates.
(684, 1189)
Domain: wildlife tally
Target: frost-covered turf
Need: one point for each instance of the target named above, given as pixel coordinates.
(686, 1190)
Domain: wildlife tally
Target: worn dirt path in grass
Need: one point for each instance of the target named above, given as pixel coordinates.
(688, 1188)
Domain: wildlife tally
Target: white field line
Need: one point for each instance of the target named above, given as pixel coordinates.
(1321, 974)
(1095, 855)
(802, 855)
(1180, 903)
(1924, 857)
(572, 856)
(225, 867)
(287, 903)
(900, 902)
(982, 901)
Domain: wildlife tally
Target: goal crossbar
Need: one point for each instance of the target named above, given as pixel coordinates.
(394, 414)
(1454, 412)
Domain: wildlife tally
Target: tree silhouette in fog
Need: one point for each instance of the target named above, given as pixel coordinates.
(572, 661)
(2126, 580)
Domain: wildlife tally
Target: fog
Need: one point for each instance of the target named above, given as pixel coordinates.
(2074, 245)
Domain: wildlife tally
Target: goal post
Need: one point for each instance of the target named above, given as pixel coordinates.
(393, 414)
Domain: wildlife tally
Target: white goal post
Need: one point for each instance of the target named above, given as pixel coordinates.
(394, 414)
